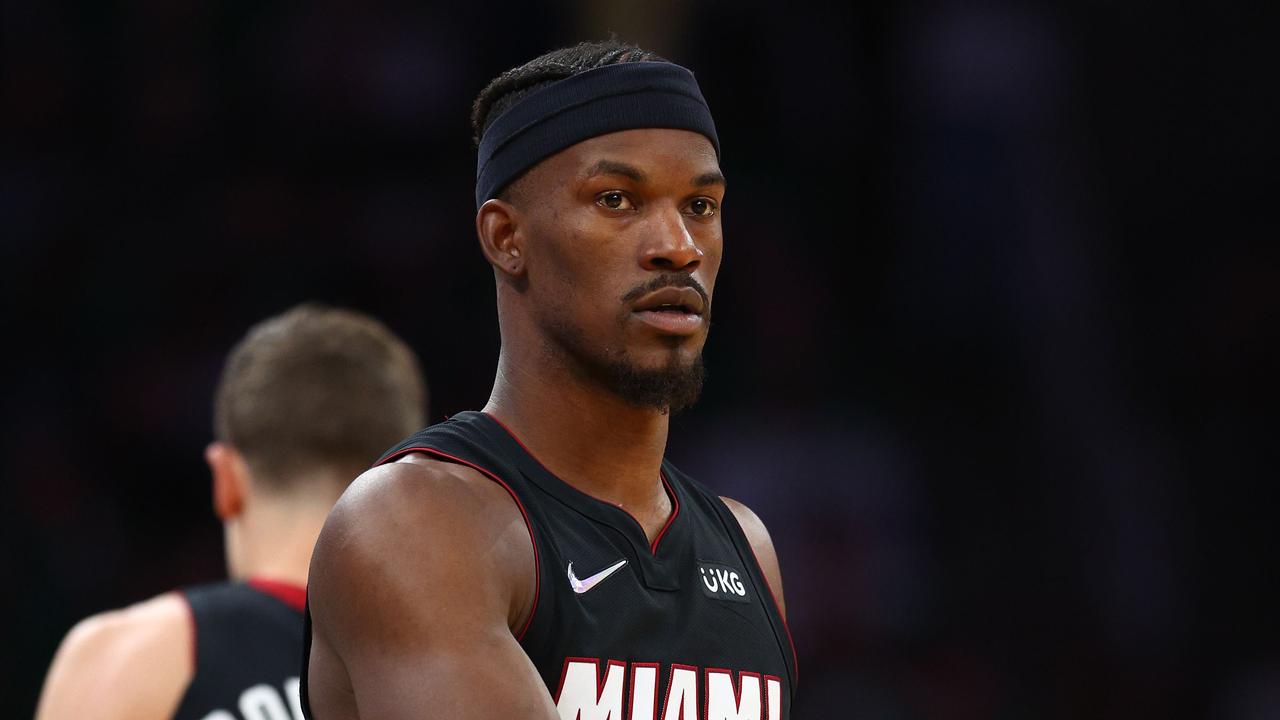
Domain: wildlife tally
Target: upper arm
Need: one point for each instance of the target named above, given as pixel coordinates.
(418, 576)
(762, 545)
(130, 663)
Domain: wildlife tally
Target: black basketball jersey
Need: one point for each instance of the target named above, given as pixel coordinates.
(684, 627)
(248, 638)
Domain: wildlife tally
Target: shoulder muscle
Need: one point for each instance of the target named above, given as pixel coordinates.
(408, 527)
(130, 663)
(421, 576)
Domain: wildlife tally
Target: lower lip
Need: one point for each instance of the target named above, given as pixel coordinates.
(670, 322)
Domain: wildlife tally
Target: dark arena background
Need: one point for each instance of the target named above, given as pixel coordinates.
(995, 352)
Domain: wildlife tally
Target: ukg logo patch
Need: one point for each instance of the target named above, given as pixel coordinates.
(722, 582)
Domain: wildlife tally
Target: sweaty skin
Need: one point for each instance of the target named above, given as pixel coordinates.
(424, 572)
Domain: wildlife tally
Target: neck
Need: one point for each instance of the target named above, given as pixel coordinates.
(586, 436)
(274, 537)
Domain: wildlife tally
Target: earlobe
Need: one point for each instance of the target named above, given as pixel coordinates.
(498, 228)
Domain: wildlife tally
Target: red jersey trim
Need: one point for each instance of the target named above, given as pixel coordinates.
(631, 687)
(736, 685)
(795, 657)
(537, 563)
(295, 596)
(675, 510)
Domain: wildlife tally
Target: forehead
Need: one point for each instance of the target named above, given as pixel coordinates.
(658, 152)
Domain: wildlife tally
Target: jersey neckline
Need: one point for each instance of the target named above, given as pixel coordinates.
(295, 596)
(653, 555)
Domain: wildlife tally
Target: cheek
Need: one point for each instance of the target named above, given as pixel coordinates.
(575, 275)
(713, 253)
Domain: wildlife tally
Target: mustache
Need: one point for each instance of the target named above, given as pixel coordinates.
(665, 280)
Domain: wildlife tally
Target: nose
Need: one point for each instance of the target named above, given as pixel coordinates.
(668, 244)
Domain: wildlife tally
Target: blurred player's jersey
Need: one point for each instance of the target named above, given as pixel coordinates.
(684, 627)
(248, 642)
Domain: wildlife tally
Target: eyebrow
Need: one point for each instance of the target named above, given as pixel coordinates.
(715, 177)
(613, 167)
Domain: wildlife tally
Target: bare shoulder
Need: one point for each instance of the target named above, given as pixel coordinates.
(421, 576)
(159, 626)
(415, 477)
(762, 544)
(133, 662)
(406, 527)
(418, 500)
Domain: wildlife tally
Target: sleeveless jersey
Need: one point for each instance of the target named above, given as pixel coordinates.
(685, 627)
(248, 641)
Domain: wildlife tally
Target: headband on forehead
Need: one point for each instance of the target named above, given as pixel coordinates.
(626, 96)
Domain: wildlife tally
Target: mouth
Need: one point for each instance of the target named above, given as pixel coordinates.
(676, 300)
(672, 310)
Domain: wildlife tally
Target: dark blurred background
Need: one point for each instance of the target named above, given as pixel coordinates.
(996, 332)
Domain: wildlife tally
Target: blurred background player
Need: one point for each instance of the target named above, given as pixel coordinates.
(306, 401)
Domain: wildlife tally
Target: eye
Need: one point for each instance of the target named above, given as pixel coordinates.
(702, 207)
(614, 200)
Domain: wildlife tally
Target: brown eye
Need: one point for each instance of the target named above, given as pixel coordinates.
(702, 207)
(613, 200)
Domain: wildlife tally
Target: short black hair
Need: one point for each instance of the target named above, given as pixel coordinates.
(511, 86)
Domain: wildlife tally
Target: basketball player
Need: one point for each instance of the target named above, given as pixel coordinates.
(541, 558)
(306, 400)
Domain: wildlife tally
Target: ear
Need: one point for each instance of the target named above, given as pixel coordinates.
(501, 239)
(230, 480)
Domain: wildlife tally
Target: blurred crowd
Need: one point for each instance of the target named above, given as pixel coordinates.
(995, 338)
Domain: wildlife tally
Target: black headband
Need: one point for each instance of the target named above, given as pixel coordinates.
(607, 99)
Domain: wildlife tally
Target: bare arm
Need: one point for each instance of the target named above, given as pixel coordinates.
(758, 535)
(417, 581)
(130, 663)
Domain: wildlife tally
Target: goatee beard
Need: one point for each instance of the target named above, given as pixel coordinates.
(669, 389)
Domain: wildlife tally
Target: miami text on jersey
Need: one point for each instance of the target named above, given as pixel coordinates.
(630, 691)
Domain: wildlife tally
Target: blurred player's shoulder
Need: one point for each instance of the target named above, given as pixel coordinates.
(135, 662)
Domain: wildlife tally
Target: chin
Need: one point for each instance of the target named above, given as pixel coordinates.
(668, 386)
(668, 354)
(664, 372)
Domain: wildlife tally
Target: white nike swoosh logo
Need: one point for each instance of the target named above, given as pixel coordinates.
(581, 586)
